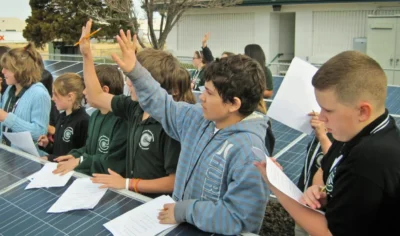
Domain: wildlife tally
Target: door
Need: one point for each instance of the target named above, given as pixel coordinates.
(381, 43)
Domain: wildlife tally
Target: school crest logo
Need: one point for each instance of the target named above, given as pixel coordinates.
(318, 159)
(104, 144)
(68, 132)
(329, 182)
(146, 139)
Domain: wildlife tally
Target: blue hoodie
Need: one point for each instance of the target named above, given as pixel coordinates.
(217, 187)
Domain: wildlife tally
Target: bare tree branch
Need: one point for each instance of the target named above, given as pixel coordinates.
(127, 15)
(171, 12)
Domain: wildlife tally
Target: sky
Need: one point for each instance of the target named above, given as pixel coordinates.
(22, 10)
(15, 8)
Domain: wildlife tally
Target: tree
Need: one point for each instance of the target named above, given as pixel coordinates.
(62, 20)
(170, 10)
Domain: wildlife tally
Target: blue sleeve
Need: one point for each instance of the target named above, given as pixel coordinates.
(39, 122)
(160, 105)
(239, 209)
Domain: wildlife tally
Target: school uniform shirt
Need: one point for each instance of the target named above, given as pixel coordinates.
(71, 133)
(362, 180)
(312, 162)
(197, 78)
(54, 114)
(151, 153)
(105, 146)
(269, 82)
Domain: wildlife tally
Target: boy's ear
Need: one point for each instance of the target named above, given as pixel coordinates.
(106, 89)
(235, 106)
(365, 111)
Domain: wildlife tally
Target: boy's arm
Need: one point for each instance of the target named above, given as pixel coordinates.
(207, 54)
(97, 97)
(325, 142)
(318, 178)
(311, 221)
(241, 208)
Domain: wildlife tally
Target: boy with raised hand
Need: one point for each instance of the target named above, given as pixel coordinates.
(361, 169)
(217, 187)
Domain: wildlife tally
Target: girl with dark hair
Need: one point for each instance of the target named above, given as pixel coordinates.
(255, 51)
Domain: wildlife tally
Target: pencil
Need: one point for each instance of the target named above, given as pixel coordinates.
(323, 188)
(314, 112)
(88, 36)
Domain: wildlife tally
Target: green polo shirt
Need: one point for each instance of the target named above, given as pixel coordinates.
(151, 153)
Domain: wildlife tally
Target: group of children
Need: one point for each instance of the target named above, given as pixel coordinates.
(159, 141)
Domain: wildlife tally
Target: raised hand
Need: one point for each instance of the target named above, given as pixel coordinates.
(205, 39)
(84, 42)
(128, 49)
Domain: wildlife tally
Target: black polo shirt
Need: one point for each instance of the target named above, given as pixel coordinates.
(151, 153)
(363, 181)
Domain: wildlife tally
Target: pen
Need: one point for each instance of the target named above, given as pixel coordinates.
(88, 36)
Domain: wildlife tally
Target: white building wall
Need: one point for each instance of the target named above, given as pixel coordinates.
(303, 31)
(321, 30)
(12, 37)
(229, 32)
(11, 24)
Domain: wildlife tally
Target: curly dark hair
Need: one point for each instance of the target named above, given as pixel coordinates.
(238, 76)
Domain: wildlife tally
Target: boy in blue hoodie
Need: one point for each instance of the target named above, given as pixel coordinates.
(217, 187)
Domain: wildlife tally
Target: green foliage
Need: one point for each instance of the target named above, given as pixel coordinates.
(62, 20)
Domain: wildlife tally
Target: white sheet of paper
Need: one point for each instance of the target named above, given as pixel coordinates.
(82, 194)
(141, 220)
(279, 180)
(295, 97)
(23, 141)
(44, 178)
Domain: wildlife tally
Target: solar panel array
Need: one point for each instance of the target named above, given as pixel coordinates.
(24, 212)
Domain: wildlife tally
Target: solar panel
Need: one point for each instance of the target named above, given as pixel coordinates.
(283, 135)
(24, 212)
(292, 160)
(277, 84)
(48, 62)
(72, 68)
(14, 168)
(393, 100)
